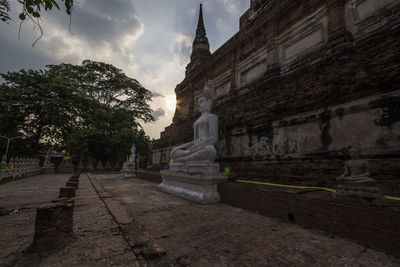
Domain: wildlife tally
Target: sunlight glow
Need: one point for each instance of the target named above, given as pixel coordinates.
(170, 102)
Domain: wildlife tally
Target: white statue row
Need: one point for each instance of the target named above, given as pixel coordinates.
(20, 167)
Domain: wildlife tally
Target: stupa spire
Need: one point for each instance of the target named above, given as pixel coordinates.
(200, 41)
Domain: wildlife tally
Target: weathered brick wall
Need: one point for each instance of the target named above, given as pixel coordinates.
(371, 226)
(293, 58)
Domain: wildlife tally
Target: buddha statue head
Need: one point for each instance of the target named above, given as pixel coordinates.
(204, 101)
(354, 152)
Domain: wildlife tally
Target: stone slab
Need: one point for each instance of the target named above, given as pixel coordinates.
(119, 213)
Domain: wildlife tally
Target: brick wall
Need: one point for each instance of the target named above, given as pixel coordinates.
(371, 226)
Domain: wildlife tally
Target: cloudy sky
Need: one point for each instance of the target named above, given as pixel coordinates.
(150, 40)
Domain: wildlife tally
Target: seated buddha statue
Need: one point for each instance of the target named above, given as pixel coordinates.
(355, 170)
(205, 134)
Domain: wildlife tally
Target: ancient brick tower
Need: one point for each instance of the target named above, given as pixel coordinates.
(201, 47)
(298, 84)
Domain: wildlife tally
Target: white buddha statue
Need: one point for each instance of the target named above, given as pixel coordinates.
(355, 170)
(133, 152)
(193, 174)
(128, 168)
(205, 134)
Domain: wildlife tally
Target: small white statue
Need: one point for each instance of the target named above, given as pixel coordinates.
(47, 158)
(205, 134)
(132, 157)
(128, 168)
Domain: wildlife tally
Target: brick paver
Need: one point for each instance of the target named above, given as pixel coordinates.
(140, 223)
(221, 235)
(97, 238)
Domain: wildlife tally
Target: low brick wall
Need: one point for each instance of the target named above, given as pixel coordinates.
(15, 175)
(152, 176)
(376, 227)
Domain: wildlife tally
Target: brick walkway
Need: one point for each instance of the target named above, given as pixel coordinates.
(97, 238)
(131, 223)
(221, 235)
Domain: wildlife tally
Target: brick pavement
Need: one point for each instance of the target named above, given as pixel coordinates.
(221, 235)
(98, 240)
(140, 221)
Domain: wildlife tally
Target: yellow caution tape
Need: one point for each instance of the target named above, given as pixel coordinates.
(300, 187)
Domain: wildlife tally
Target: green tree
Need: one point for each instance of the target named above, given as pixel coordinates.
(36, 104)
(91, 110)
(109, 86)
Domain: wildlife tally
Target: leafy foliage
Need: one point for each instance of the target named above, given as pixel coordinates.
(31, 9)
(90, 110)
(4, 9)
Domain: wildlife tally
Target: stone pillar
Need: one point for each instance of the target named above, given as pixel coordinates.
(53, 226)
(74, 178)
(72, 184)
(67, 192)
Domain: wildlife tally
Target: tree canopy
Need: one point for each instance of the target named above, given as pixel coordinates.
(92, 109)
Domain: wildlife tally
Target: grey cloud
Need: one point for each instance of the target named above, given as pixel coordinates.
(97, 29)
(154, 94)
(158, 113)
(183, 55)
(16, 56)
(114, 8)
(101, 21)
(182, 50)
(55, 44)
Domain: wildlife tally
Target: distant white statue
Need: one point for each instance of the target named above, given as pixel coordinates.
(48, 166)
(132, 157)
(128, 168)
(47, 158)
(205, 134)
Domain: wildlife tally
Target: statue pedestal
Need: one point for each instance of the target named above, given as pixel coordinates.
(128, 170)
(195, 181)
(366, 194)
